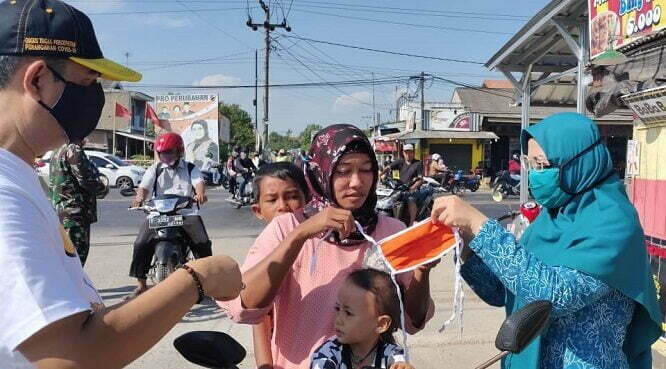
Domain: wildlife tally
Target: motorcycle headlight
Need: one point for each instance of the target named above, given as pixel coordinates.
(165, 205)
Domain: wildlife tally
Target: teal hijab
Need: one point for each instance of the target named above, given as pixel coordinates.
(597, 232)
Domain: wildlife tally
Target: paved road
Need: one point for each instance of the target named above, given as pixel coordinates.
(232, 232)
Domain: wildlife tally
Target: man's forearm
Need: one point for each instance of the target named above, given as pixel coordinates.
(116, 336)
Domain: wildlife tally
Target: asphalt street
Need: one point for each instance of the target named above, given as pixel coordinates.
(232, 232)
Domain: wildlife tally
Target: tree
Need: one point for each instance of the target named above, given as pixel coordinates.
(305, 137)
(242, 129)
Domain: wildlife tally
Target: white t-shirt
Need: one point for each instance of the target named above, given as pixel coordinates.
(42, 279)
(172, 181)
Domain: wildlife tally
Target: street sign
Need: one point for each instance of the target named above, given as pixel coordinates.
(649, 105)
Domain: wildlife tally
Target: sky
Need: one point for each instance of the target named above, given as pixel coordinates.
(206, 43)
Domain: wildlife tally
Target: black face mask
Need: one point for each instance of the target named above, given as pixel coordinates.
(79, 108)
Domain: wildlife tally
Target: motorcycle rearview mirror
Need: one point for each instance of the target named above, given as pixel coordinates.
(210, 349)
(127, 192)
(520, 329)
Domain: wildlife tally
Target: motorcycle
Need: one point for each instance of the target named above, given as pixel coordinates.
(218, 350)
(172, 245)
(392, 194)
(208, 177)
(504, 186)
(461, 182)
(247, 197)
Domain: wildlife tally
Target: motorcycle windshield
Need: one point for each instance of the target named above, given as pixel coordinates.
(165, 205)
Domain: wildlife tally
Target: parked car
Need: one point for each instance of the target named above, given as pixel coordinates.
(119, 173)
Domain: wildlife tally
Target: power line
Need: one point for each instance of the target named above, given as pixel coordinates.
(386, 51)
(418, 12)
(318, 75)
(358, 82)
(128, 12)
(384, 21)
(329, 4)
(212, 24)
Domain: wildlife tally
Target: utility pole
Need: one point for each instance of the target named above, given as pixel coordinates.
(422, 78)
(423, 127)
(374, 110)
(257, 146)
(268, 27)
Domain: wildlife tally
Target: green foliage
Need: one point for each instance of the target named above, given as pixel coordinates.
(150, 128)
(242, 127)
(305, 137)
(287, 142)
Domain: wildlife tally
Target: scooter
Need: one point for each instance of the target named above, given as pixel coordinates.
(172, 244)
(391, 198)
(504, 186)
(461, 182)
(218, 350)
(246, 199)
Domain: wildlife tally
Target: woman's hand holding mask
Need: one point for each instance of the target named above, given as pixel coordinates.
(330, 218)
(454, 212)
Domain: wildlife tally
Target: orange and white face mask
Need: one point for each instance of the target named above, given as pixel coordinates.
(411, 248)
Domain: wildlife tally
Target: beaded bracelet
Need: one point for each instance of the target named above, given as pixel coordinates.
(200, 289)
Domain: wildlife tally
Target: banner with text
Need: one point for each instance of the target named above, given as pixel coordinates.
(195, 118)
(616, 23)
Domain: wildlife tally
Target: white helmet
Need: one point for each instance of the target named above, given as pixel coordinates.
(435, 157)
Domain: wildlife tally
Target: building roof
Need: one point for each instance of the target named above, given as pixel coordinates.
(499, 104)
(447, 134)
(540, 42)
(496, 83)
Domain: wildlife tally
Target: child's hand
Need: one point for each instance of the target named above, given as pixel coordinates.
(401, 365)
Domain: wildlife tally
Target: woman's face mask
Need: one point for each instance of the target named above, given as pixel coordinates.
(545, 188)
(545, 185)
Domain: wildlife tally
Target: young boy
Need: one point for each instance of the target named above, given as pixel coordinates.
(278, 188)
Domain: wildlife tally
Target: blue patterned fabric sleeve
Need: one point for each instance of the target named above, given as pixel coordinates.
(525, 276)
(482, 281)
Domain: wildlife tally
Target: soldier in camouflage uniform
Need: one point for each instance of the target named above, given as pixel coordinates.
(74, 185)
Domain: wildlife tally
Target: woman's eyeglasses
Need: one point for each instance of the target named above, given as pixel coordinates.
(536, 164)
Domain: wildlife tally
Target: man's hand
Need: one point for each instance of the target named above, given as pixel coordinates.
(201, 198)
(220, 276)
(138, 200)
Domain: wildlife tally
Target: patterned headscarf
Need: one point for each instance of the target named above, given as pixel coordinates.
(328, 146)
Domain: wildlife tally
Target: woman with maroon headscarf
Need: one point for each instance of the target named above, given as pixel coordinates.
(298, 263)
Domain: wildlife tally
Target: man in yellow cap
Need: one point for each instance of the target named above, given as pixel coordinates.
(51, 316)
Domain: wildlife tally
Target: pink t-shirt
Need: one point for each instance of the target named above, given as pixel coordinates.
(303, 311)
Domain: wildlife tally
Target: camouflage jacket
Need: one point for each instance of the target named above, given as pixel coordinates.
(73, 185)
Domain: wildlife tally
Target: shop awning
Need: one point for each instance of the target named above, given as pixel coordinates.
(550, 47)
(448, 134)
(136, 137)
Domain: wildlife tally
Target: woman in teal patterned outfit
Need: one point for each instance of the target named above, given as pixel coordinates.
(584, 253)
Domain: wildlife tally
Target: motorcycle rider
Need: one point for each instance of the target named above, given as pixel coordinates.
(211, 167)
(231, 172)
(438, 170)
(171, 175)
(244, 168)
(514, 167)
(411, 173)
